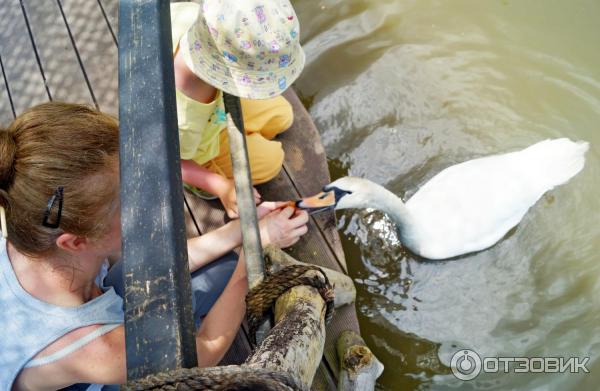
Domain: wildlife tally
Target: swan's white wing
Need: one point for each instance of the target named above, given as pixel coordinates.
(470, 206)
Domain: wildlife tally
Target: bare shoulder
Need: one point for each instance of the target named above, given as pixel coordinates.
(101, 361)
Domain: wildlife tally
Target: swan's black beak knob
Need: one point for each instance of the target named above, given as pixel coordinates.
(337, 192)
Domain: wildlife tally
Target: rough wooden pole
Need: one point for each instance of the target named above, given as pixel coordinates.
(295, 343)
(359, 368)
(253, 254)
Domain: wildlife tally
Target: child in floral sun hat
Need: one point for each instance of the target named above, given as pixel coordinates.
(246, 48)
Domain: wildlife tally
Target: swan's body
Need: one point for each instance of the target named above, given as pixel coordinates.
(470, 206)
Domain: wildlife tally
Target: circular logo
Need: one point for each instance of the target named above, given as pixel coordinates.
(465, 364)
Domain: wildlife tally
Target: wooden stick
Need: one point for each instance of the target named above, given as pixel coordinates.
(255, 266)
(245, 198)
(359, 368)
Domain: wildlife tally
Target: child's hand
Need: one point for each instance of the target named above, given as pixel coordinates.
(266, 207)
(229, 199)
(283, 227)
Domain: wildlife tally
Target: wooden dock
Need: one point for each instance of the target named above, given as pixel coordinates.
(66, 50)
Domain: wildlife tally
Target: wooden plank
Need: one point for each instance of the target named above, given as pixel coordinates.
(97, 50)
(313, 248)
(306, 165)
(58, 57)
(6, 109)
(24, 77)
(343, 319)
(305, 172)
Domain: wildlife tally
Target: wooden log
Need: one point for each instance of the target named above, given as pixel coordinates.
(359, 368)
(343, 287)
(295, 344)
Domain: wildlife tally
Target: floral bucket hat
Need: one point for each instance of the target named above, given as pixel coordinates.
(247, 48)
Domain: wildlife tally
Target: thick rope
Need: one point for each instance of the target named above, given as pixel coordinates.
(260, 299)
(229, 378)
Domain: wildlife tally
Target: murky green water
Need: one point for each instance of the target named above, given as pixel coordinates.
(401, 89)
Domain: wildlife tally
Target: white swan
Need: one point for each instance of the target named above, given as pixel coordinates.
(466, 207)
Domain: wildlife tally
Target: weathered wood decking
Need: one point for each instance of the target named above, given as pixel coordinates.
(67, 50)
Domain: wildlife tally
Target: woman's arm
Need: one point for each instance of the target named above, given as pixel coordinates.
(280, 227)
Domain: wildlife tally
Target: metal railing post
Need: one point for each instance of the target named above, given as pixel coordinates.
(158, 313)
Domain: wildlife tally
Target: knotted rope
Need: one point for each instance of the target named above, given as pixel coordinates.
(260, 299)
(230, 378)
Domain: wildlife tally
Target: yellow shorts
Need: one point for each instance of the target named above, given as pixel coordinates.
(263, 120)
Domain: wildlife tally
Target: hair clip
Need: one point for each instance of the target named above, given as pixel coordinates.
(58, 195)
(3, 222)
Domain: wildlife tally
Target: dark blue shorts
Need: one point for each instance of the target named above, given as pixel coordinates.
(208, 283)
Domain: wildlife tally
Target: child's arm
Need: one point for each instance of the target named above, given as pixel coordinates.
(196, 175)
(280, 227)
(220, 326)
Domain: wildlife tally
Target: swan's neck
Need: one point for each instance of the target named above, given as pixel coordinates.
(388, 202)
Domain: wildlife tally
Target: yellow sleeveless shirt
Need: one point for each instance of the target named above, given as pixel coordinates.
(199, 123)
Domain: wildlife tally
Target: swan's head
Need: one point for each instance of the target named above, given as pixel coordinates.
(344, 193)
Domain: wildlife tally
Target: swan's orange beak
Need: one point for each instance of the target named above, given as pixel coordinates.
(323, 201)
